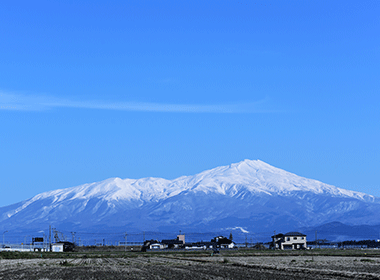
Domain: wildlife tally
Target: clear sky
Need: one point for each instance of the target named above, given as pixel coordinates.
(96, 89)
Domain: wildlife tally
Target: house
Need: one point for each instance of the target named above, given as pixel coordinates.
(165, 243)
(147, 243)
(181, 237)
(289, 241)
(200, 245)
(151, 244)
(64, 246)
(223, 242)
(277, 240)
(156, 246)
(179, 243)
(172, 243)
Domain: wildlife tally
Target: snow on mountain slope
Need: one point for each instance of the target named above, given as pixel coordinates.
(241, 194)
(253, 176)
(257, 176)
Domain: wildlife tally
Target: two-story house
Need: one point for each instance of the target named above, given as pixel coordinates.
(289, 241)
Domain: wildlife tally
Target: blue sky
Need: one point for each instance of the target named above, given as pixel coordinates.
(96, 89)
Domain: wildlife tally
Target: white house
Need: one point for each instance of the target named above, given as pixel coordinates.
(289, 241)
(63, 246)
(223, 242)
(57, 247)
(155, 246)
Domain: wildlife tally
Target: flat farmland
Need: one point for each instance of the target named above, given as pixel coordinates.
(193, 265)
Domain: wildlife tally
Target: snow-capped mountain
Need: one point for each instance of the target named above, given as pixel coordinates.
(251, 195)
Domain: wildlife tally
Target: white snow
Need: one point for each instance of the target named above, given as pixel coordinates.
(249, 177)
(253, 176)
(238, 228)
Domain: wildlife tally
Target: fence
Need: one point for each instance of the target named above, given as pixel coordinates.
(23, 248)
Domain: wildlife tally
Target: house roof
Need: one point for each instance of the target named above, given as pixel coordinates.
(155, 244)
(63, 243)
(221, 240)
(171, 241)
(202, 243)
(294, 233)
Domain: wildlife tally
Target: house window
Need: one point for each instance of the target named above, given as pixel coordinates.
(302, 238)
(295, 238)
(288, 239)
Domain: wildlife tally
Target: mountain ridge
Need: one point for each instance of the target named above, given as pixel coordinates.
(249, 194)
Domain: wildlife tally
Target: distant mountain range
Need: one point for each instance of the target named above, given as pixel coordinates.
(249, 196)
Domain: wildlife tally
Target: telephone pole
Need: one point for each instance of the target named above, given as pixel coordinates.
(316, 240)
(49, 237)
(73, 236)
(3, 235)
(125, 242)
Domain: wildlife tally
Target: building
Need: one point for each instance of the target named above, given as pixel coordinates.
(172, 243)
(289, 241)
(223, 242)
(181, 237)
(200, 245)
(156, 246)
(219, 242)
(64, 246)
(165, 243)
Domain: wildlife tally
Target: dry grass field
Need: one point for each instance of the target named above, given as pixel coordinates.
(242, 264)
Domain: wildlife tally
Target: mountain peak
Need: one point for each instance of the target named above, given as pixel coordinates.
(249, 165)
(243, 194)
(253, 176)
(256, 176)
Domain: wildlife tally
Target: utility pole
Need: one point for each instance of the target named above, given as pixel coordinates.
(3, 236)
(125, 242)
(43, 239)
(316, 240)
(49, 237)
(73, 236)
